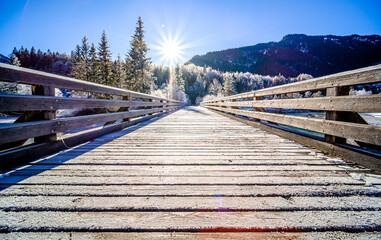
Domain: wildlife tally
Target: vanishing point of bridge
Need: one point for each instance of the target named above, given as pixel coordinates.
(153, 169)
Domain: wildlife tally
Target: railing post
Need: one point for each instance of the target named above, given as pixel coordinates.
(335, 115)
(126, 98)
(149, 100)
(45, 115)
(256, 98)
(163, 106)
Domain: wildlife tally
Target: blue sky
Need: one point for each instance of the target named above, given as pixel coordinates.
(201, 25)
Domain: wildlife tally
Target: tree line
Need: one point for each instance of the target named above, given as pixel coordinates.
(95, 64)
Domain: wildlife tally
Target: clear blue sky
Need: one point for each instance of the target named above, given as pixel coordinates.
(202, 25)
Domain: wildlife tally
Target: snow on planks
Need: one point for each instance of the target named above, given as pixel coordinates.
(191, 171)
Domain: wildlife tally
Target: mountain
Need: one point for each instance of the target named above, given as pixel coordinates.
(298, 53)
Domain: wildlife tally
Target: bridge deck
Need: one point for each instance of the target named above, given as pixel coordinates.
(193, 172)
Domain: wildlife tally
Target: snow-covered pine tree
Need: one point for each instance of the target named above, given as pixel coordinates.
(85, 58)
(93, 64)
(78, 67)
(179, 78)
(119, 73)
(105, 62)
(15, 61)
(137, 63)
(229, 88)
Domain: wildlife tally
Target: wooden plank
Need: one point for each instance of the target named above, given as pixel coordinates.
(182, 161)
(160, 169)
(19, 131)
(185, 180)
(367, 103)
(12, 73)
(28, 103)
(361, 132)
(155, 204)
(195, 173)
(191, 221)
(189, 190)
(205, 152)
(189, 235)
(260, 157)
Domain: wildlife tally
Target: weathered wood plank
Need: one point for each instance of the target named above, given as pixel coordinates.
(28, 103)
(19, 131)
(167, 169)
(185, 221)
(361, 132)
(155, 204)
(369, 103)
(189, 190)
(176, 161)
(243, 173)
(185, 180)
(189, 235)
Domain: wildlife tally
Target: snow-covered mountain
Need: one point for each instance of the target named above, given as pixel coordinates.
(298, 53)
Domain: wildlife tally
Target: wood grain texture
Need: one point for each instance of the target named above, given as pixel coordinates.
(19, 131)
(37, 103)
(368, 103)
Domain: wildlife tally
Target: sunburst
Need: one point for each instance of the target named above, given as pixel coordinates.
(170, 48)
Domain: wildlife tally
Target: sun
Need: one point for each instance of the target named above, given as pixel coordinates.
(170, 47)
(171, 51)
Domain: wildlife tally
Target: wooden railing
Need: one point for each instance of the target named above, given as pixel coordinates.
(39, 122)
(341, 122)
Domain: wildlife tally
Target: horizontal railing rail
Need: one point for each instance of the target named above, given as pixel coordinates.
(342, 120)
(36, 131)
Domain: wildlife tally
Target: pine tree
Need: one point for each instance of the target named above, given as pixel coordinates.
(85, 58)
(179, 80)
(229, 88)
(33, 58)
(105, 62)
(15, 61)
(119, 73)
(78, 68)
(137, 64)
(93, 64)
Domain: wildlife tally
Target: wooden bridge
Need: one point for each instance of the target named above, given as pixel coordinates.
(153, 169)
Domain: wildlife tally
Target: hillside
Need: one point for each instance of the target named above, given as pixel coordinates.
(298, 53)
